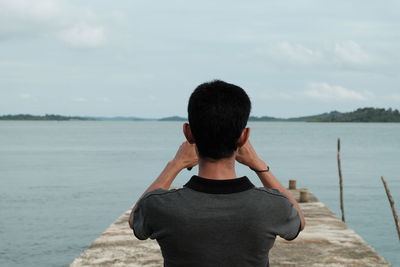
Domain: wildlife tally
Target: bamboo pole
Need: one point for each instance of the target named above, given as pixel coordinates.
(389, 195)
(340, 179)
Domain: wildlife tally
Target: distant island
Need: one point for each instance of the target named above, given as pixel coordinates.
(173, 118)
(47, 117)
(359, 115)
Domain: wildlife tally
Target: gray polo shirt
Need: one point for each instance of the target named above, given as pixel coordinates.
(216, 222)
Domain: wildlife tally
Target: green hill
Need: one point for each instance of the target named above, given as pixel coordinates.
(264, 118)
(47, 117)
(359, 115)
(173, 118)
(323, 116)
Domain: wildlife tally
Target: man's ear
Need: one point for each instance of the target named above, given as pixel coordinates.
(188, 133)
(243, 137)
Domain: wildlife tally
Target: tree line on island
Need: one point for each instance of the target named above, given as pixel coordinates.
(47, 117)
(359, 115)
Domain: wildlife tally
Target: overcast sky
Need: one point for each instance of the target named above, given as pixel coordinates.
(144, 58)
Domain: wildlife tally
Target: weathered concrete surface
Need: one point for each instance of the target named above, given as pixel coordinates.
(326, 241)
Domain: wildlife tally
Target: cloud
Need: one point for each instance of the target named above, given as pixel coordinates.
(352, 53)
(83, 35)
(104, 99)
(325, 91)
(393, 97)
(295, 53)
(343, 53)
(40, 10)
(58, 19)
(25, 96)
(79, 99)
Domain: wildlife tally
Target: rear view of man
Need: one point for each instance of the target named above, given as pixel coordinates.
(216, 219)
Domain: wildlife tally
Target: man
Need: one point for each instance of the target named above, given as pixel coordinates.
(216, 219)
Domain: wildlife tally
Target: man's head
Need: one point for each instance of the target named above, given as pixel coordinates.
(218, 113)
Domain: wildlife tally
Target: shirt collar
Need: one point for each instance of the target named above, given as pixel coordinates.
(212, 186)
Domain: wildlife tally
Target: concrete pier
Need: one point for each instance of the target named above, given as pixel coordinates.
(326, 241)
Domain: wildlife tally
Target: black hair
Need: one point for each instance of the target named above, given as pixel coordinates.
(218, 113)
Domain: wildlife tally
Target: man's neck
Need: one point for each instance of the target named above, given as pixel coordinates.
(217, 169)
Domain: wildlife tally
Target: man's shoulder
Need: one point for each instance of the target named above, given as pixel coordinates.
(269, 192)
(161, 193)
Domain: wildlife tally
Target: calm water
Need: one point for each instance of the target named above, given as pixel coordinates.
(63, 183)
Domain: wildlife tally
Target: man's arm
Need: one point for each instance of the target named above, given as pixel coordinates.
(185, 157)
(248, 156)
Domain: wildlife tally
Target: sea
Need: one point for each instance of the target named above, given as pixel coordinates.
(62, 183)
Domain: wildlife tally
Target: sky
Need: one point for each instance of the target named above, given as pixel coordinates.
(144, 58)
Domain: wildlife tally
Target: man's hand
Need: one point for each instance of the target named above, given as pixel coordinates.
(186, 156)
(248, 156)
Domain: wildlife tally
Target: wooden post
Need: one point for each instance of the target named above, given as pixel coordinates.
(292, 184)
(303, 196)
(396, 218)
(340, 179)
